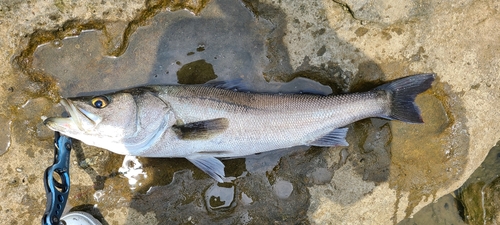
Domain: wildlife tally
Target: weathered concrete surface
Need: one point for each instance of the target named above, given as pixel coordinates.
(442, 211)
(457, 40)
(22, 192)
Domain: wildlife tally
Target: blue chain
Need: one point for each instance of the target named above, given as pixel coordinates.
(57, 190)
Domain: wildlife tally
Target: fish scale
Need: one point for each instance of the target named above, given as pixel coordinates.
(205, 122)
(268, 121)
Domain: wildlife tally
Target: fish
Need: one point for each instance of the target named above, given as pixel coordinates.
(210, 122)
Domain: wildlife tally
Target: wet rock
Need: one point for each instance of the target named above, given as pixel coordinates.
(5, 136)
(480, 195)
(387, 174)
(443, 211)
(197, 72)
(384, 12)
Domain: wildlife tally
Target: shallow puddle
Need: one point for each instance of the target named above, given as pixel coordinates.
(225, 42)
(439, 147)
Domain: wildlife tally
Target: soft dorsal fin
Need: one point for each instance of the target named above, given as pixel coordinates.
(209, 165)
(234, 85)
(334, 138)
(201, 129)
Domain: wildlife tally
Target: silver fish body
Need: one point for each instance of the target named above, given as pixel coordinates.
(203, 123)
(260, 122)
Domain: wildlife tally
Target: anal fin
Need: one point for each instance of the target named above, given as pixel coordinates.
(334, 138)
(209, 165)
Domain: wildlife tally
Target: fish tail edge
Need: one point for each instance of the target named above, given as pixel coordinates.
(403, 92)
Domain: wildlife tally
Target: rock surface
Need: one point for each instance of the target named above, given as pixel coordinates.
(480, 193)
(390, 171)
(427, 36)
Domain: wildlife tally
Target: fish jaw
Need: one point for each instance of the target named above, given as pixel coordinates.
(80, 126)
(63, 125)
(69, 127)
(80, 121)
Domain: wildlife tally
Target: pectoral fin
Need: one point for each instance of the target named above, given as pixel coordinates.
(209, 165)
(334, 138)
(201, 129)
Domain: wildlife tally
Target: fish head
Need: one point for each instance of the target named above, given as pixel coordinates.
(108, 115)
(119, 122)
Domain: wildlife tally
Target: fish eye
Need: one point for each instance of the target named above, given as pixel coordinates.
(100, 102)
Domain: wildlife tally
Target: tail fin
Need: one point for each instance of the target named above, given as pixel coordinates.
(403, 92)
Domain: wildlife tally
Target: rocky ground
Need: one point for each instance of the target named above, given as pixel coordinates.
(390, 171)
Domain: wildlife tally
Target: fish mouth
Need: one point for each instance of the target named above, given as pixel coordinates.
(79, 119)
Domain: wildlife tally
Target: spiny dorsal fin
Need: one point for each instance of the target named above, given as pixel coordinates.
(234, 85)
(201, 129)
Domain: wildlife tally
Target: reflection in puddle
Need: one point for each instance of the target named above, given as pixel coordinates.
(245, 199)
(5, 135)
(283, 189)
(219, 196)
(99, 195)
(132, 170)
(266, 161)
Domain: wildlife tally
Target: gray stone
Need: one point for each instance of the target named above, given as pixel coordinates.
(347, 45)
